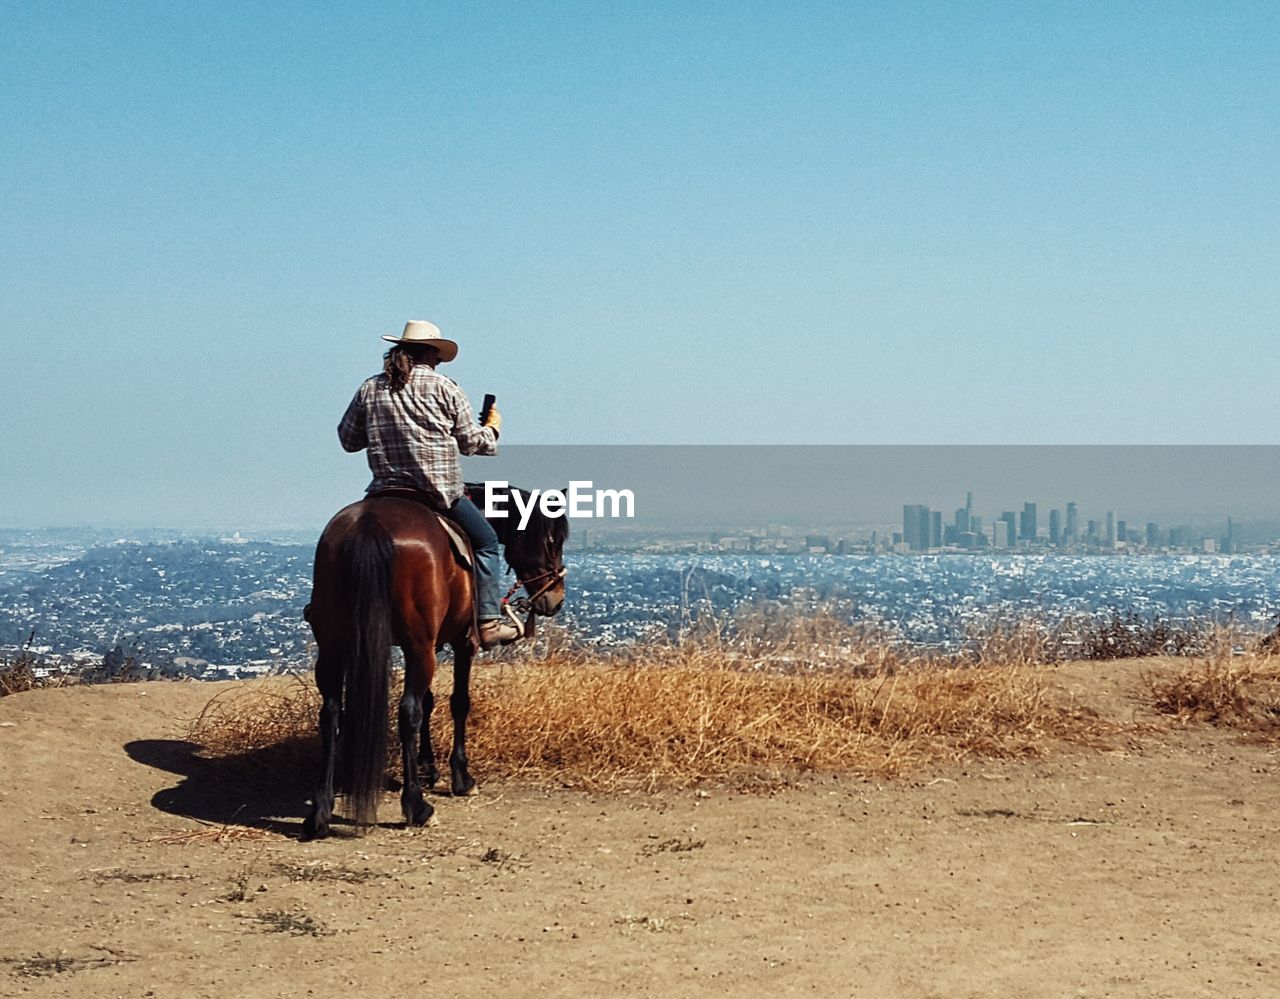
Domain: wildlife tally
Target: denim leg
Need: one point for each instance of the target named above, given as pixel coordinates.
(485, 543)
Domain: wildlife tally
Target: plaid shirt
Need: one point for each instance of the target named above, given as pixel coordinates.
(414, 436)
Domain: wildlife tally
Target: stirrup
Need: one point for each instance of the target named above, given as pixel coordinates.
(509, 613)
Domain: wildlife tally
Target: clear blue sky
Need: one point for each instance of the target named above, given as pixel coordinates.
(644, 223)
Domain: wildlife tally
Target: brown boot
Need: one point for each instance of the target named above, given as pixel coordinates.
(497, 631)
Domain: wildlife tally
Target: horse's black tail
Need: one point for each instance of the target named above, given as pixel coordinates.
(366, 668)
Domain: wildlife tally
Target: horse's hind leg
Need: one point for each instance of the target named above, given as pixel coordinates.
(329, 681)
(460, 705)
(426, 751)
(419, 668)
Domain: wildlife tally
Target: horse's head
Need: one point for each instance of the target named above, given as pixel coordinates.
(535, 554)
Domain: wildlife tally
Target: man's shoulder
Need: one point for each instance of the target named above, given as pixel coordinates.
(427, 375)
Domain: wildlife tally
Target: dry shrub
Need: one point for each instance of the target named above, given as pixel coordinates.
(783, 637)
(683, 718)
(677, 715)
(16, 676)
(268, 723)
(1269, 644)
(1238, 693)
(1135, 636)
(1020, 642)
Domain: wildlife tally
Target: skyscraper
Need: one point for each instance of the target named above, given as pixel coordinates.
(1011, 518)
(1073, 524)
(1055, 527)
(1111, 528)
(915, 526)
(1231, 543)
(1028, 522)
(909, 521)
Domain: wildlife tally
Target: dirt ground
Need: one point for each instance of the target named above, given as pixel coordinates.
(1150, 870)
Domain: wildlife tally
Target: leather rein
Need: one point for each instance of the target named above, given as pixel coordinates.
(521, 604)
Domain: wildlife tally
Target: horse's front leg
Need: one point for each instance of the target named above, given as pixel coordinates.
(460, 706)
(419, 667)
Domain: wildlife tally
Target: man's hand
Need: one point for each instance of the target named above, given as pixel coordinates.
(494, 420)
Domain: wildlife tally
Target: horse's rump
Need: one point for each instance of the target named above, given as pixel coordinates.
(432, 589)
(458, 539)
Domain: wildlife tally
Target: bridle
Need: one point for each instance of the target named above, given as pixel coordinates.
(524, 605)
(552, 577)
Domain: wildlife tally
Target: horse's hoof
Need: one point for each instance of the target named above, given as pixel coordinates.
(312, 828)
(430, 778)
(468, 790)
(418, 813)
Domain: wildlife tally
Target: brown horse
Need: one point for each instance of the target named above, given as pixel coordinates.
(385, 575)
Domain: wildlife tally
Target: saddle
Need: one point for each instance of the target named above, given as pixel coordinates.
(458, 541)
(460, 544)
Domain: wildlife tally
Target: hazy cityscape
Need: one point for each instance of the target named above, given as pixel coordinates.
(924, 529)
(216, 606)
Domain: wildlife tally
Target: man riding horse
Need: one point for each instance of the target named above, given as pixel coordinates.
(386, 575)
(414, 423)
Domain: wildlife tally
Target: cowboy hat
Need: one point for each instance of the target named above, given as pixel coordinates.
(419, 331)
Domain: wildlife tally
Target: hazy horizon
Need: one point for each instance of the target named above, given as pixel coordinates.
(682, 486)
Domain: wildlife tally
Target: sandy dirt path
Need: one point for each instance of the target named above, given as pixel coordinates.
(1147, 871)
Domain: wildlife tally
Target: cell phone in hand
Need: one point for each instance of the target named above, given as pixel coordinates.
(489, 400)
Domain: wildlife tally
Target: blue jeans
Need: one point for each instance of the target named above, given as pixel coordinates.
(484, 541)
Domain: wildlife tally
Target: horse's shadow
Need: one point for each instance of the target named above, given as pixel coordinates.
(220, 792)
(258, 789)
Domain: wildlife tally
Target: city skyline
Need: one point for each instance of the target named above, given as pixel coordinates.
(923, 529)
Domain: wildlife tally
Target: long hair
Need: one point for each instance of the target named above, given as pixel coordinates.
(399, 361)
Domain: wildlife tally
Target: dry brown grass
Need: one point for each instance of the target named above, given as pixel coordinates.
(788, 639)
(223, 833)
(678, 715)
(268, 724)
(17, 672)
(16, 676)
(683, 718)
(1241, 692)
(1020, 642)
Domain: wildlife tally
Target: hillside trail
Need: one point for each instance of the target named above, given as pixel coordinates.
(130, 867)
